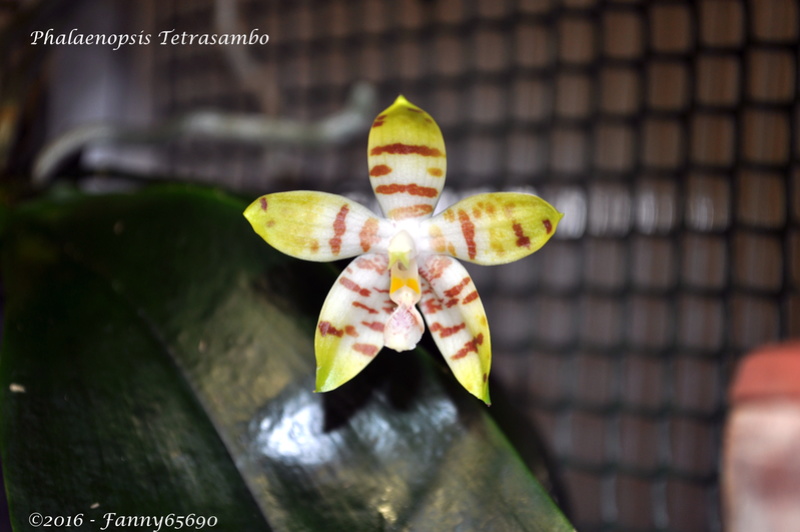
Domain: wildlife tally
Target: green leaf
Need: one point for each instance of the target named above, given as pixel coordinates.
(158, 359)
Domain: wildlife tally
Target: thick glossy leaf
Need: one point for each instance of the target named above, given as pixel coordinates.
(158, 359)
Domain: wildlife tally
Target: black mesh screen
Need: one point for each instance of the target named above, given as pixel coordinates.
(667, 131)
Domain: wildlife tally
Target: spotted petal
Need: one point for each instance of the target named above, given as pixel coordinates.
(457, 321)
(493, 228)
(350, 329)
(317, 226)
(407, 161)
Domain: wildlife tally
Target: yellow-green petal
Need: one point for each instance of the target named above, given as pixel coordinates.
(457, 321)
(350, 331)
(493, 228)
(316, 226)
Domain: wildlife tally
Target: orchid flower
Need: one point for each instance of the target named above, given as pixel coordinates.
(405, 262)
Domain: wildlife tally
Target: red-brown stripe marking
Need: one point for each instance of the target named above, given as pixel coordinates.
(431, 306)
(412, 211)
(339, 227)
(379, 121)
(413, 189)
(263, 204)
(366, 349)
(379, 170)
(326, 328)
(374, 325)
(369, 234)
(447, 331)
(469, 347)
(434, 268)
(351, 285)
(547, 226)
(435, 172)
(468, 229)
(374, 264)
(522, 240)
(358, 304)
(454, 291)
(472, 296)
(399, 148)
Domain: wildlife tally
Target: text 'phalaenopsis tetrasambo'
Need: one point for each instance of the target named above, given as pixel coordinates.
(406, 262)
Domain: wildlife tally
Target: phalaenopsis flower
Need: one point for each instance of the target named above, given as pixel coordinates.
(406, 261)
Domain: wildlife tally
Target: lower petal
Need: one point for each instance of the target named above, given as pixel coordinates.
(351, 324)
(456, 318)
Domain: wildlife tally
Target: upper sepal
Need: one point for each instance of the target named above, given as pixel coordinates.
(407, 161)
(493, 228)
(317, 226)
